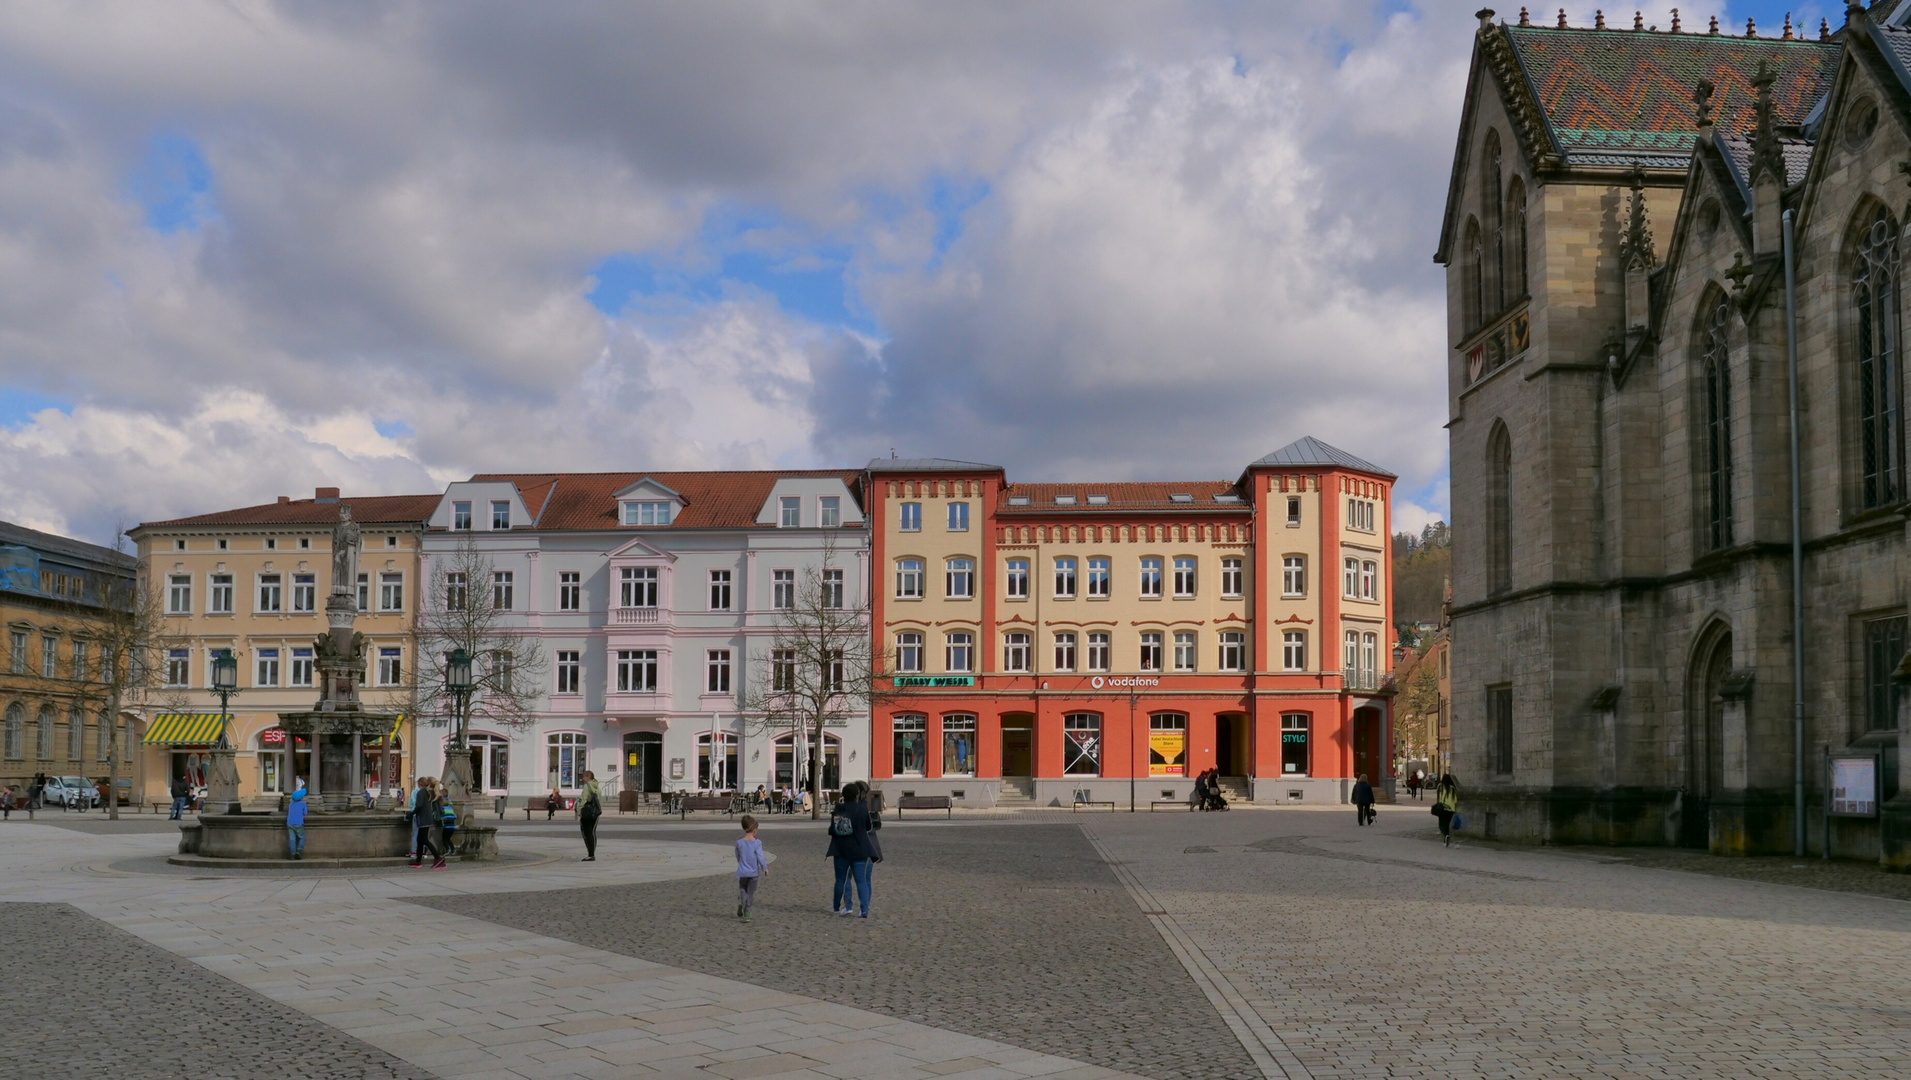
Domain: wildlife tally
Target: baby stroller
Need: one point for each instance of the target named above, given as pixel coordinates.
(1209, 787)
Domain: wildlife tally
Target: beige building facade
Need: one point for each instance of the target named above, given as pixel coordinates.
(1622, 611)
(253, 580)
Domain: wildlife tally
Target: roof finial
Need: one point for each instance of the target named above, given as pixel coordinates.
(1485, 15)
(1562, 18)
(1702, 97)
(1676, 28)
(1599, 19)
(1856, 14)
(1765, 151)
(1524, 19)
(1751, 27)
(1637, 245)
(1787, 35)
(1638, 20)
(1715, 26)
(1824, 29)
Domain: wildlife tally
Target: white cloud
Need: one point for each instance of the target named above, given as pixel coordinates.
(1204, 232)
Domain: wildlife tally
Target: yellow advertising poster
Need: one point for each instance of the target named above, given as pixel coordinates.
(1168, 753)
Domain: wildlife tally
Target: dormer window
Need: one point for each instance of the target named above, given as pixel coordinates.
(646, 513)
(1018, 500)
(1098, 500)
(829, 510)
(790, 509)
(501, 514)
(1227, 498)
(1064, 500)
(1181, 497)
(461, 515)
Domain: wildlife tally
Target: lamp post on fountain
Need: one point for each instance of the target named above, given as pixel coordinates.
(222, 771)
(457, 776)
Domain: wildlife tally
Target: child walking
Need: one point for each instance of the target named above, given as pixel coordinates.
(750, 867)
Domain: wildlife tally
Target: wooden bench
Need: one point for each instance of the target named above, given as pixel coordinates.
(1179, 804)
(925, 802)
(541, 804)
(702, 802)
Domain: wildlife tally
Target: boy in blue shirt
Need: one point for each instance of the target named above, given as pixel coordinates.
(295, 822)
(750, 867)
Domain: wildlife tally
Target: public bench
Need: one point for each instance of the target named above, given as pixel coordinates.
(925, 802)
(541, 804)
(1178, 804)
(702, 802)
(1083, 797)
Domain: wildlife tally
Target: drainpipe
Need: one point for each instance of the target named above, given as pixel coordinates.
(1798, 553)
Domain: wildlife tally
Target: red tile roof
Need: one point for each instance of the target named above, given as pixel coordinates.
(713, 500)
(1150, 495)
(366, 509)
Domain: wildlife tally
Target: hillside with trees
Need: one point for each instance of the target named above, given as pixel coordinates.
(1421, 565)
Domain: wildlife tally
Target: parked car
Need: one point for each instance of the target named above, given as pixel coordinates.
(71, 791)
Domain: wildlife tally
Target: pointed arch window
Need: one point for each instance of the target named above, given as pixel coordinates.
(1492, 201)
(1875, 297)
(1516, 226)
(1716, 397)
(1499, 510)
(1472, 287)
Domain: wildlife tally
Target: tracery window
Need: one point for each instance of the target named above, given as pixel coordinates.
(1516, 225)
(1717, 399)
(1875, 295)
(1499, 510)
(1472, 288)
(1491, 207)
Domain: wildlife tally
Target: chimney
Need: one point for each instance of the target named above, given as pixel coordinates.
(325, 495)
(283, 499)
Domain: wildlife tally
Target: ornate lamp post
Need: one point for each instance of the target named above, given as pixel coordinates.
(222, 772)
(458, 768)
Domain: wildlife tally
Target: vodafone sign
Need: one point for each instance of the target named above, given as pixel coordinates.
(1138, 680)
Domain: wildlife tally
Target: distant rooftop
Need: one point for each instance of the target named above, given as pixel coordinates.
(12, 535)
(1309, 451)
(928, 464)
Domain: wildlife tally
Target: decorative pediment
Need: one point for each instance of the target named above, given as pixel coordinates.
(637, 549)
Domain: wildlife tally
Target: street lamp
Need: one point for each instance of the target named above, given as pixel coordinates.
(225, 683)
(222, 775)
(458, 685)
(1134, 738)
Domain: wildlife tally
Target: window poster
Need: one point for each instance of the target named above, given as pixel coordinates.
(1854, 786)
(1168, 753)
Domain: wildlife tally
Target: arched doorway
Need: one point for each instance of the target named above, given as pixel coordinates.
(792, 766)
(1369, 744)
(1705, 733)
(490, 762)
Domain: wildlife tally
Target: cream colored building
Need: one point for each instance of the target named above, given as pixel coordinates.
(254, 580)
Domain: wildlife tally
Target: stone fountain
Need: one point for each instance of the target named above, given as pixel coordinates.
(338, 825)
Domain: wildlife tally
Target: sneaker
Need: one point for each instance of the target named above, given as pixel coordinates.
(739, 911)
(588, 858)
(847, 911)
(414, 864)
(440, 865)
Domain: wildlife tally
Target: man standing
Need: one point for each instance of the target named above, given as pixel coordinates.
(295, 822)
(1363, 801)
(182, 794)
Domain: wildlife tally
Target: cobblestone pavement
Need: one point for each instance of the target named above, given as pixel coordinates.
(1018, 933)
(1374, 954)
(95, 1001)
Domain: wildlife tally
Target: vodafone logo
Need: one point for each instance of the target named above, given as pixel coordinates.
(1098, 682)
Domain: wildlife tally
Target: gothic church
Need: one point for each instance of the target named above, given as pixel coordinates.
(1621, 435)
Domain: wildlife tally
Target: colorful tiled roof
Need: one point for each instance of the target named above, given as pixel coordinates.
(713, 500)
(366, 509)
(1149, 495)
(1625, 97)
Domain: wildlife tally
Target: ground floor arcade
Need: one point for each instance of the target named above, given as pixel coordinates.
(1116, 747)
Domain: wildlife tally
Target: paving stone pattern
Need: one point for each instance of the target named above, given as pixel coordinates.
(130, 1011)
(1016, 933)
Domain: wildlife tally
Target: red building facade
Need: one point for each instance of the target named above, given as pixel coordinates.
(1115, 640)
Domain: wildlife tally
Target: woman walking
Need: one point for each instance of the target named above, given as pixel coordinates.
(851, 846)
(590, 807)
(426, 808)
(1446, 805)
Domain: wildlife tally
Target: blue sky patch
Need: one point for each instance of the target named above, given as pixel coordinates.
(393, 429)
(18, 406)
(174, 185)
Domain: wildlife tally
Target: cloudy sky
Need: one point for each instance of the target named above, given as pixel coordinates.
(249, 248)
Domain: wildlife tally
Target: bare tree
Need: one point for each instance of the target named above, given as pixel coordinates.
(822, 668)
(123, 620)
(464, 609)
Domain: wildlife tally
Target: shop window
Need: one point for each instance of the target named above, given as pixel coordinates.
(1168, 744)
(1081, 746)
(958, 744)
(912, 744)
(565, 759)
(1294, 744)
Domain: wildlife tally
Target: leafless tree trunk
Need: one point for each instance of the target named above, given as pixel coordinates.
(822, 668)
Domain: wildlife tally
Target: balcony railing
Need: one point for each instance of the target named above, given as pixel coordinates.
(1367, 679)
(638, 614)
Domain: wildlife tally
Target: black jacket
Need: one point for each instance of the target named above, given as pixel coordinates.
(1363, 794)
(858, 845)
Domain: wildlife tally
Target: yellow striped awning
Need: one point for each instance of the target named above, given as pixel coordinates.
(191, 729)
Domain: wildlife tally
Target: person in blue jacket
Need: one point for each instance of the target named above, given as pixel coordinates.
(295, 822)
(853, 848)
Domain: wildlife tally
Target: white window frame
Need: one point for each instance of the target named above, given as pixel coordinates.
(1186, 650)
(304, 593)
(1233, 577)
(302, 672)
(503, 590)
(959, 578)
(958, 652)
(958, 517)
(910, 517)
(638, 587)
(270, 596)
(391, 591)
(391, 661)
(646, 512)
(179, 594)
(1186, 574)
(461, 515)
(909, 652)
(1151, 650)
(219, 594)
(637, 671)
(1350, 578)
(829, 511)
(570, 590)
(570, 671)
(909, 579)
(716, 671)
(1100, 652)
(783, 590)
(1066, 653)
(1233, 652)
(1293, 511)
(719, 590)
(178, 667)
(1065, 577)
(500, 513)
(1294, 650)
(1015, 580)
(1151, 577)
(832, 585)
(1015, 651)
(1369, 580)
(789, 512)
(265, 669)
(1100, 574)
(1293, 577)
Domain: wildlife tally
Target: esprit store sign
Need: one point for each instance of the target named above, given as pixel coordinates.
(1138, 680)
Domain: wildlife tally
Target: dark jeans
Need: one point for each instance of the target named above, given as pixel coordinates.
(426, 847)
(1364, 813)
(179, 806)
(746, 892)
(846, 870)
(1446, 820)
(589, 827)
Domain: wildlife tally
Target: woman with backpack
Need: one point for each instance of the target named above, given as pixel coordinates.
(426, 809)
(852, 847)
(590, 807)
(1446, 806)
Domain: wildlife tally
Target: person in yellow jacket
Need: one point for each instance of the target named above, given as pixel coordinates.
(1446, 806)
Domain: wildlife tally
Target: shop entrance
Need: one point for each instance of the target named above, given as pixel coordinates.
(1232, 754)
(644, 762)
(1368, 751)
(1018, 745)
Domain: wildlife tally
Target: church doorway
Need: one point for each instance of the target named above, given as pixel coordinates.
(1705, 738)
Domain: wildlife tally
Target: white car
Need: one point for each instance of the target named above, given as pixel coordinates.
(70, 791)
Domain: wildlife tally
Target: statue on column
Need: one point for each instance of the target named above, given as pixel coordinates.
(345, 544)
